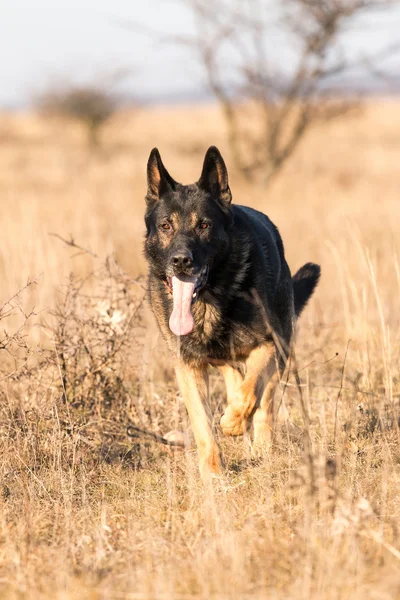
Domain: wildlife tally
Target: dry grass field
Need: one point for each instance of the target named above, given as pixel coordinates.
(88, 512)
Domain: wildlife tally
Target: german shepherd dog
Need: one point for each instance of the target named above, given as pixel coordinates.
(222, 294)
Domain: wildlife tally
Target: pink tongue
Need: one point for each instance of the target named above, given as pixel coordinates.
(181, 320)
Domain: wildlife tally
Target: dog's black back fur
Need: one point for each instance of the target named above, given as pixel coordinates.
(249, 295)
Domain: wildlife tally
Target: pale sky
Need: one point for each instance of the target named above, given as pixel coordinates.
(46, 40)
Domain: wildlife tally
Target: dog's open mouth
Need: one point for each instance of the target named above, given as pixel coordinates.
(200, 281)
(184, 290)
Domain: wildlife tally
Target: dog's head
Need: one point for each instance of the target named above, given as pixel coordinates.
(187, 230)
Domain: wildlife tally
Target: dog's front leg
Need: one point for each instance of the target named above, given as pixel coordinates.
(193, 384)
(260, 365)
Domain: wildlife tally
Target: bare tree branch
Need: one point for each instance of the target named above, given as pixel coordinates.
(232, 42)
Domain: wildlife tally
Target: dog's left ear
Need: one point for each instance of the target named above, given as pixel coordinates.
(214, 177)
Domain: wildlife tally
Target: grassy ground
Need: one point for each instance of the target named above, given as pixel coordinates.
(86, 511)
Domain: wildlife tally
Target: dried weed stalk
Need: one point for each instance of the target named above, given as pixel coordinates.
(15, 350)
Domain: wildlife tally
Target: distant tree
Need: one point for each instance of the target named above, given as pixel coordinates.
(275, 68)
(90, 105)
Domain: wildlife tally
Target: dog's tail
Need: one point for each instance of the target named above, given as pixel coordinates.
(304, 283)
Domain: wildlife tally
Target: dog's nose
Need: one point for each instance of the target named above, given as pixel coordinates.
(182, 259)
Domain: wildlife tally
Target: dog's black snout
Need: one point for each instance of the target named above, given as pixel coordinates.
(182, 259)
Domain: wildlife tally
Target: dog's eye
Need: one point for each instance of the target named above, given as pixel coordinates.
(165, 226)
(203, 226)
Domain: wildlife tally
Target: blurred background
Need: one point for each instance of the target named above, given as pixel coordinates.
(301, 98)
(156, 45)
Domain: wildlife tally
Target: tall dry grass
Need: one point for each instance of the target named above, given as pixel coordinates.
(307, 521)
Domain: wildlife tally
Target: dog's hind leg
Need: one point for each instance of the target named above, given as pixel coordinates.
(263, 419)
(240, 408)
(193, 384)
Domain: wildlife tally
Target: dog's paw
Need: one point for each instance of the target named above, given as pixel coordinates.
(211, 464)
(232, 422)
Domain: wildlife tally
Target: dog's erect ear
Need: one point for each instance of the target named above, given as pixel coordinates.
(159, 180)
(214, 177)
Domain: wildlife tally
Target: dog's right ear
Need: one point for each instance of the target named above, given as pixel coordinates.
(159, 180)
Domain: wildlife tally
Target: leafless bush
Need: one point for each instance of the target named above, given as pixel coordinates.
(90, 105)
(98, 338)
(94, 335)
(276, 70)
(84, 384)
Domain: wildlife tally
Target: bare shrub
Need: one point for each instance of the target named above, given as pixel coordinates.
(97, 343)
(278, 69)
(84, 384)
(91, 105)
(94, 334)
